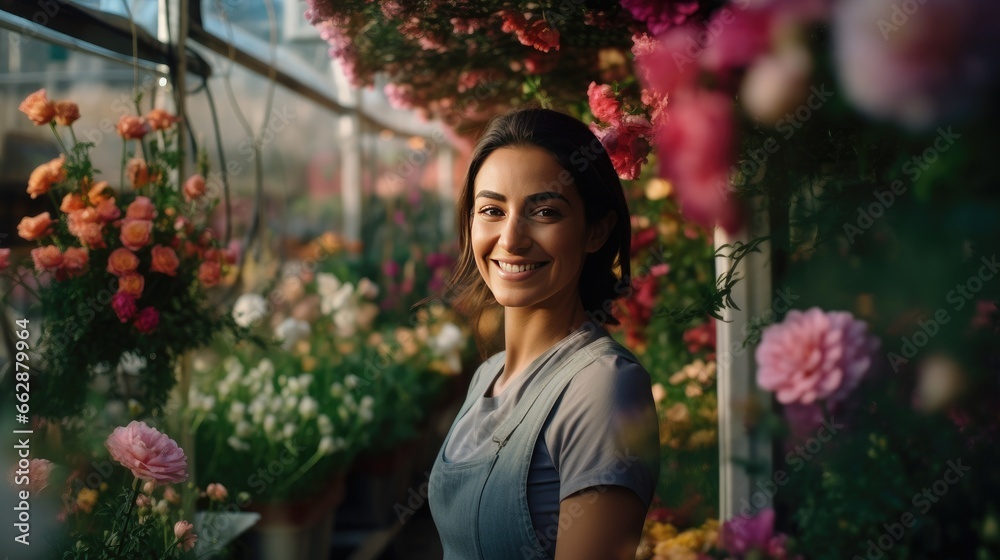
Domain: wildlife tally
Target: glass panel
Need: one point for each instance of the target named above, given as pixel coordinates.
(145, 13)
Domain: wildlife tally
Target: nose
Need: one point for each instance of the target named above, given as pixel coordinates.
(515, 236)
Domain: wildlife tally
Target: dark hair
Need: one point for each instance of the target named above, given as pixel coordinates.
(589, 168)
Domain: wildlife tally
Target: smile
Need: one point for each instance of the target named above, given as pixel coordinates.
(507, 267)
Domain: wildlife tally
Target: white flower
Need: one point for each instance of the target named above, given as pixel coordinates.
(249, 310)
(231, 364)
(352, 381)
(161, 507)
(288, 431)
(327, 284)
(349, 402)
(237, 444)
(131, 363)
(346, 321)
(367, 288)
(367, 408)
(270, 423)
(326, 446)
(291, 403)
(324, 424)
(243, 429)
(342, 413)
(277, 403)
(257, 408)
(333, 295)
(266, 367)
(236, 411)
(305, 380)
(224, 388)
(308, 407)
(336, 390)
(293, 386)
(291, 331)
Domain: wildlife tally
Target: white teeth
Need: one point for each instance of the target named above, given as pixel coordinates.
(507, 267)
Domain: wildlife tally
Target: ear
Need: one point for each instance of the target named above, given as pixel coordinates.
(597, 234)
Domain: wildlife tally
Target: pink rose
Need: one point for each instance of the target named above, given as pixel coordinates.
(160, 119)
(131, 284)
(696, 148)
(148, 453)
(66, 112)
(137, 171)
(603, 103)
(75, 261)
(79, 218)
(38, 108)
(171, 495)
(165, 260)
(141, 208)
(91, 235)
(98, 192)
(31, 229)
(4, 259)
(217, 492)
(48, 258)
(194, 187)
(136, 233)
(46, 175)
(131, 127)
(209, 273)
(72, 202)
(627, 144)
(184, 533)
(108, 210)
(121, 261)
(124, 306)
(147, 320)
(814, 355)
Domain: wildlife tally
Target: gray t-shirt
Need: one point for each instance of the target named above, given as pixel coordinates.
(602, 431)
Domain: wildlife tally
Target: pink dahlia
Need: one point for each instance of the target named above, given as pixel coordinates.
(661, 15)
(148, 453)
(147, 320)
(814, 355)
(124, 305)
(184, 532)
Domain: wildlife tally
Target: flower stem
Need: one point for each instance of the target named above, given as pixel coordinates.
(128, 516)
(59, 139)
(73, 135)
(122, 185)
(171, 547)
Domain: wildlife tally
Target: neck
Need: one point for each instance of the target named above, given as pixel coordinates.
(530, 332)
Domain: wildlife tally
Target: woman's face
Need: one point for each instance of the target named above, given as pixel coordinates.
(529, 232)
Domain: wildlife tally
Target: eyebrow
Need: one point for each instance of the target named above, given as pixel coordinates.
(534, 198)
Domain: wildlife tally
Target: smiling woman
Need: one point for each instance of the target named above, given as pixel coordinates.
(555, 451)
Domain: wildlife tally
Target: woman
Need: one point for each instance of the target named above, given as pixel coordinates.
(555, 452)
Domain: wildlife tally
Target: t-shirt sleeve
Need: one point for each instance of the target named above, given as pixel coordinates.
(604, 430)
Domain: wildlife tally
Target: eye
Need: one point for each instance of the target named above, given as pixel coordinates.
(547, 212)
(490, 211)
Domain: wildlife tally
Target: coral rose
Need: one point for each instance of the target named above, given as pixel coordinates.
(121, 261)
(165, 260)
(31, 229)
(47, 258)
(4, 259)
(98, 192)
(79, 218)
(108, 210)
(66, 112)
(38, 108)
(194, 187)
(91, 235)
(217, 492)
(814, 355)
(72, 202)
(138, 172)
(75, 261)
(147, 320)
(131, 127)
(141, 208)
(184, 533)
(46, 175)
(124, 306)
(131, 284)
(148, 453)
(136, 234)
(160, 119)
(210, 272)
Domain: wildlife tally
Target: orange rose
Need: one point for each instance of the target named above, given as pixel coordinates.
(140, 209)
(138, 172)
(79, 218)
(131, 127)
(72, 202)
(98, 192)
(75, 261)
(91, 235)
(107, 210)
(136, 233)
(46, 175)
(47, 258)
(131, 284)
(194, 187)
(159, 119)
(121, 261)
(210, 272)
(31, 229)
(66, 112)
(165, 260)
(38, 108)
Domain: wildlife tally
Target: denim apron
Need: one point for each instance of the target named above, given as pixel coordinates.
(480, 506)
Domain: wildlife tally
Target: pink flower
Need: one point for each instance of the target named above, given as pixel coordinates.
(776, 84)
(107, 210)
(148, 453)
(171, 495)
(131, 284)
(627, 144)
(4, 259)
(741, 535)
(603, 103)
(141, 208)
(814, 355)
(122, 261)
(209, 273)
(48, 258)
(72, 202)
(66, 112)
(159, 119)
(38, 473)
(918, 68)
(194, 187)
(98, 192)
(137, 171)
(46, 175)
(147, 320)
(131, 127)
(165, 260)
(696, 152)
(660, 15)
(217, 492)
(136, 234)
(124, 306)
(38, 108)
(75, 261)
(184, 532)
(142, 501)
(31, 229)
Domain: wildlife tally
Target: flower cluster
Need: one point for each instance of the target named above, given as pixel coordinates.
(129, 259)
(662, 540)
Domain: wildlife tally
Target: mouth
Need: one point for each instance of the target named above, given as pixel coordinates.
(515, 268)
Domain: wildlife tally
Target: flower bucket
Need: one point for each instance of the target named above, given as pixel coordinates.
(296, 530)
